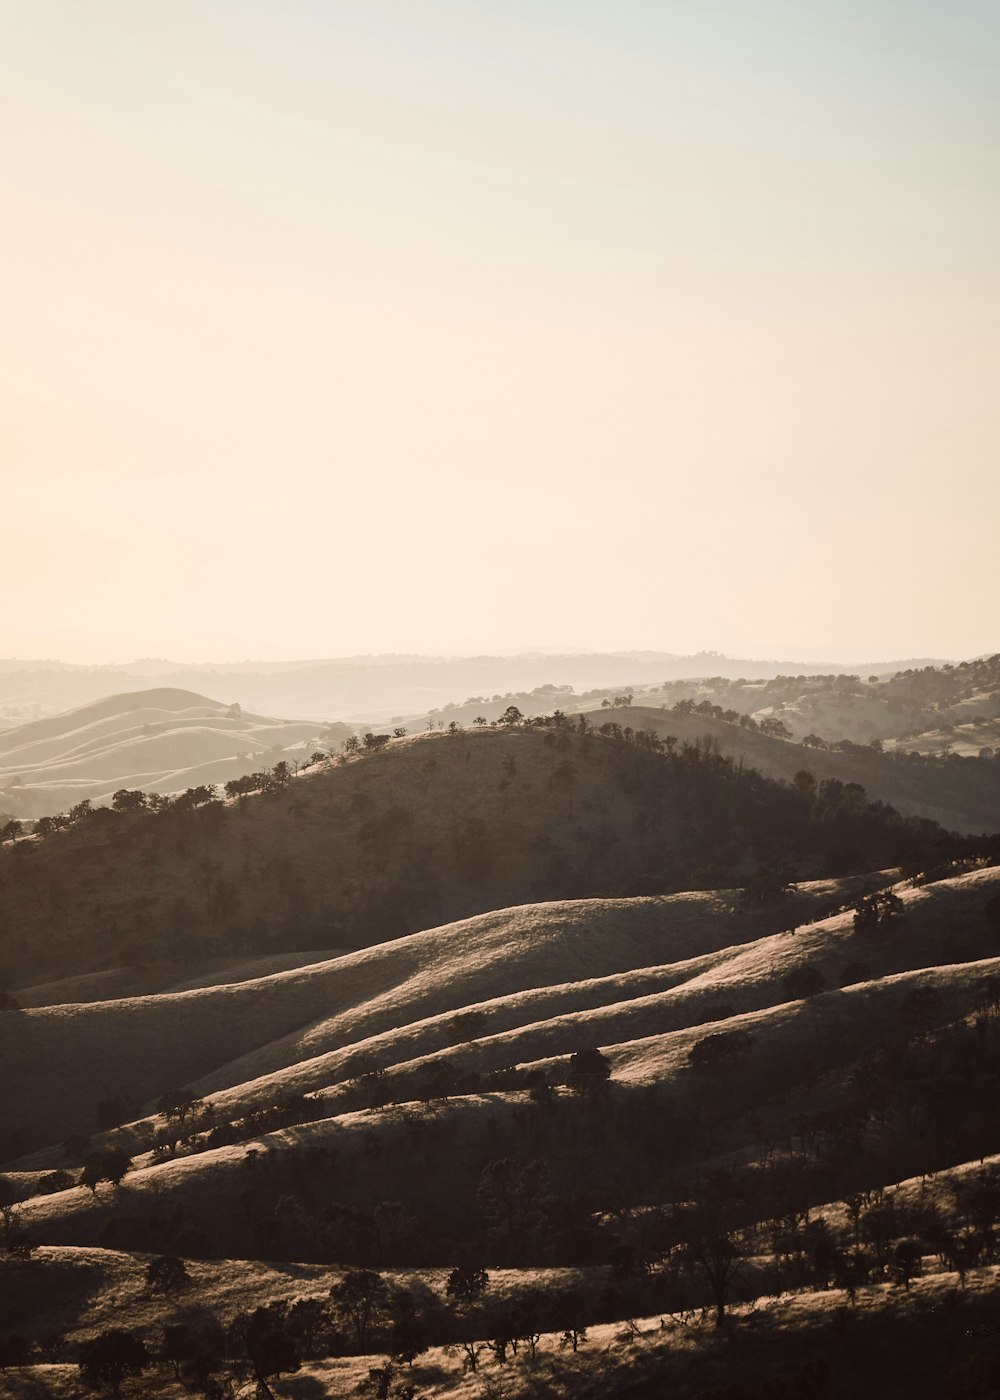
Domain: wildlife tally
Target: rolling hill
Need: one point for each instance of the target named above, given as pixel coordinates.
(539, 1055)
(961, 796)
(424, 830)
(162, 740)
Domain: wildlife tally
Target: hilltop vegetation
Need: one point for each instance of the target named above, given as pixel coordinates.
(858, 706)
(420, 830)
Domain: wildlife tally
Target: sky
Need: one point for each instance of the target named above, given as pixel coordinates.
(449, 326)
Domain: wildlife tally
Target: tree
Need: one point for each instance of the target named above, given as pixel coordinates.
(589, 1071)
(167, 1274)
(109, 1165)
(309, 1324)
(771, 880)
(17, 1241)
(719, 1050)
(106, 1360)
(907, 1260)
(11, 830)
(177, 1103)
(267, 1343)
(573, 1337)
(53, 1182)
(878, 908)
(467, 1284)
(194, 1350)
(128, 800)
(713, 1249)
(360, 1300)
(407, 1332)
(511, 716)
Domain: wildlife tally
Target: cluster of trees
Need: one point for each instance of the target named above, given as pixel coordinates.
(362, 1313)
(586, 1072)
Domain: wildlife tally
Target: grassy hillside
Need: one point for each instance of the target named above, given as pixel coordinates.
(960, 795)
(161, 740)
(857, 707)
(231, 1033)
(726, 1141)
(427, 829)
(818, 1110)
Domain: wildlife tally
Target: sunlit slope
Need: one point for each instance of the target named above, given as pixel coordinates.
(157, 740)
(792, 1046)
(62, 1060)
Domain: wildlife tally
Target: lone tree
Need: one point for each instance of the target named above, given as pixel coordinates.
(109, 1165)
(106, 1360)
(719, 1050)
(167, 1274)
(589, 1071)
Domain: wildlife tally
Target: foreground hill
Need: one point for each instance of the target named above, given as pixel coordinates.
(589, 1103)
(588, 1205)
(141, 1046)
(162, 740)
(424, 830)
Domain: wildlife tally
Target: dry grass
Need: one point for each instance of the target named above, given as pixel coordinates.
(527, 963)
(158, 740)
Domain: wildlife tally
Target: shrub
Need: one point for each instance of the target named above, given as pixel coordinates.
(719, 1050)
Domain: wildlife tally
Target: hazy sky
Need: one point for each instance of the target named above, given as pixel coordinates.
(346, 326)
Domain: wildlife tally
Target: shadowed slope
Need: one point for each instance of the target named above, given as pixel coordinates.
(429, 829)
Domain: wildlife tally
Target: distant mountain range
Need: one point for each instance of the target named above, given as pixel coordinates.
(375, 688)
